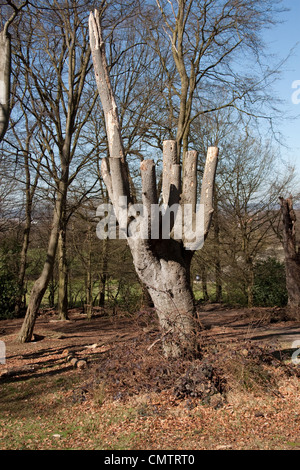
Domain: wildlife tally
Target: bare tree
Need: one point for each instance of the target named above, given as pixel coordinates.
(61, 105)
(200, 44)
(248, 205)
(30, 179)
(163, 264)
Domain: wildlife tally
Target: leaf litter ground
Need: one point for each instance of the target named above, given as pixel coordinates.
(242, 392)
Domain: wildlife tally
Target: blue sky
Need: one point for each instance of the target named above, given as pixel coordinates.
(281, 39)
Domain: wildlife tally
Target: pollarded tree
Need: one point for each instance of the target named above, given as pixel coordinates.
(197, 43)
(162, 262)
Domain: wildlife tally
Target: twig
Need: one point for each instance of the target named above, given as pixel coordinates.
(159, 339)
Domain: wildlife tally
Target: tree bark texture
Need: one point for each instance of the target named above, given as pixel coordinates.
(5, 71)
(162, 264)
(292, 256)
(164, 270)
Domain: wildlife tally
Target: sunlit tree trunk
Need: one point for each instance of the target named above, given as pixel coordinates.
(5, 71)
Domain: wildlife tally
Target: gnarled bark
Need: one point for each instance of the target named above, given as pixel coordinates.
(164, 270)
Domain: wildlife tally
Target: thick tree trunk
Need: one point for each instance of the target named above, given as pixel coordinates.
(5, 71)
(41, 284)
(292, 256)
(176, 312)
(168, 283)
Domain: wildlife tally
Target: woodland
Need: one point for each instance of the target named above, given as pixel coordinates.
(131, 343)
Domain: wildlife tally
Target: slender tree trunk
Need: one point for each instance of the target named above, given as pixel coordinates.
(26, 234)
(103, 278)
(22, 269)
(52, 286)
(30, 188)
(204, 283)
(103, 274)
(89, 294)
(292, 256)
(250, 281)
(5, 71)
(218, 269)
(41, 284)
(89, 297)
(62, 271)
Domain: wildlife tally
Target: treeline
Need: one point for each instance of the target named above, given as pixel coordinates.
(100, 273)
(50, 157)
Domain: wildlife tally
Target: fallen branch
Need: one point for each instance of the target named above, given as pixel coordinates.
(159, 339)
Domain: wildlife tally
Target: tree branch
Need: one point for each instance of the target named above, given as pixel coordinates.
(207, 187)
(118, 168)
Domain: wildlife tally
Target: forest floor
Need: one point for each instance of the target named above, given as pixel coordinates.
(105, 384)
